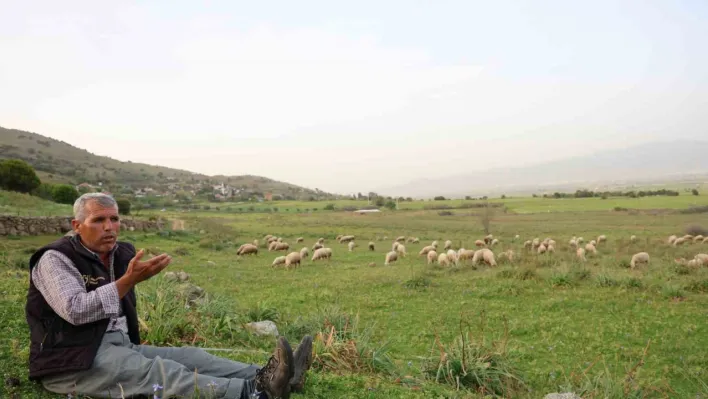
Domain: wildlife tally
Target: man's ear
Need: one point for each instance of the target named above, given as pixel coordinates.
(75, 225)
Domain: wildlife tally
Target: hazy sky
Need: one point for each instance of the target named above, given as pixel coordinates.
(352, 96)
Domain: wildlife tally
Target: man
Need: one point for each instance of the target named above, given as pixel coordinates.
(81, 310)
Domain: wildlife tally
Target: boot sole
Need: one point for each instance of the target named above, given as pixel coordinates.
(297, 382)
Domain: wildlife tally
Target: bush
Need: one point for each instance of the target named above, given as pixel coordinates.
(123, 206)
(446, 213)
(44, 191)
(632, 282)
(695, 230)
(604, 280)
(390, 205)
(694, 192)
(18, 175)
(439, 198)
(64, 194)
(329, 207)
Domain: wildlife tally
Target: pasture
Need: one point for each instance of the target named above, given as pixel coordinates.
(540, 324)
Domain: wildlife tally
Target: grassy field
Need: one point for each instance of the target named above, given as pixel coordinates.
(597, 328)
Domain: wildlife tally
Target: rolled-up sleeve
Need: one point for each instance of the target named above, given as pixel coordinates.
(64, 289)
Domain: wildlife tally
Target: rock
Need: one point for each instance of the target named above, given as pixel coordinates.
(13, 231)
(211, 263)
(372, 264)
(182, 276)
(202, 232)
(131, 228)
(265, 327)
(567, 395)
(12, 382)
(65, 226)
(170, 276)
(191, 293)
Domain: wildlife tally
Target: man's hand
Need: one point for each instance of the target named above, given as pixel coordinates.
(139, 271)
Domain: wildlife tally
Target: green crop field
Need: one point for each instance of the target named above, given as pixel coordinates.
(538, 324)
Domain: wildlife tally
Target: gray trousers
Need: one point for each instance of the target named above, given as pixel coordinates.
(139, 369)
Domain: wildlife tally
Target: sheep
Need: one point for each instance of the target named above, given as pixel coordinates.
(551, 243)
(281, 246)
(432, 257)
(679, 241)
(435, 244)
(527, 244)
(688, 237)
(705, 240)
(698, 238)
(395, 245)
(321, 253)
(589, 247)
(494, 242)
(550, 249)
(671, 239)
(601, 238)
(541, 249)
(443, 260)
(580, 254)
(321, 240)
(465, 254)
(640, 257)
(415, 240)
(338, 237)
(425, 250)
(486, 255)
(507, 255)
(247, 249)
(316, 247)
(703, 258)
(691, 263)
(271, 240)
(304, 253)
(401, 249)
(535, 243)
(572, 243)
(372, 246)
(409, 239)
(280, 239)
(479, 243)
(351, 246)
(516, 237)
(633, 239)
(255, 243)
(267, 236)
(488, 239)
(272, 245)
(546, 241)
(448, 245)
(593, 242)
(344, 239)
(400, 239)
(299, 240)
(391, 257)
(280, 260)
(452, 256)
(580, 240)
(292, 259)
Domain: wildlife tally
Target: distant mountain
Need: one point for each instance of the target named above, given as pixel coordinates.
(657, 161)
(59, 162)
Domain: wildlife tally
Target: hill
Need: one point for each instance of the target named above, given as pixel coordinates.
(649, 163)
(60, 162)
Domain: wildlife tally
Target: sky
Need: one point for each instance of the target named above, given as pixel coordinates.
(353, 96)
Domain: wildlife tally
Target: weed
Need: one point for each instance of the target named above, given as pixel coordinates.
(418, 283)
(262, 311)
(603, 280)
(673, 292)
(560, 279)
(632, 282)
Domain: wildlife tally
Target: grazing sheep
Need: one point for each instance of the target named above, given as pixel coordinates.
(321, 240)
(401, 249)
(535, 243)
(338, 237)
(299, 240)
(432, 257)
(395, 245)
(594, 243)
(572, 243)
(479, 243)
(705, 241)
(344, 239)
(425, 250)
(280, 260)
(527, 244)
(400, 239)
(272, 245)
(546, 241)
(679, 241)
(452, 256)
(550, 249)
(372, 246)
(322, 253)
(488, 239)
(580, 240)
(580, 254)
(507, 255)
(292, 259)
(391, 257)
(280, 239)
(601, 238)
(516, 237)
(271, 240)
(304, 253)
(541, 249)
(590, 248)
(698, 238)
(415, 240)
(267, 236)
(641, 257)
(247, 249)
(690, 263)
(703, 258)
(551, 243)
(688, 237)
(486, 255)
(255, 243)
(282, 246)
(494, 242)
(435, 244)
(316, 247)
(671, 239)
(465, 254)
(633, 238)
(351, 246)
(410, 239)
(443, 260)
(448, 245)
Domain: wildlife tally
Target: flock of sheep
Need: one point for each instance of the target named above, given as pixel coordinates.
(449, 256)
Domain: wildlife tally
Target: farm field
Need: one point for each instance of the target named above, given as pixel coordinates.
(551, 322)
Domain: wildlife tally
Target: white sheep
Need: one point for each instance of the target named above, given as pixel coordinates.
(391, 257)
(580, 254)
(671, 239)
(400, 239)
(572, 243)
(401, 249)
(255, 243)
(292, 259)
(452, 256)
(705, 241)
(281, 246)
(304, 253)
(690, 263)
(488, 238)
(479, 243)
(247, 249)
(516, 237)
(448, 245)
(589, 248)
(267, 236)
(415, 240)
(465, 254)
(280, 260)
(443, 260)
(527, 244)
(541, 249)
(593, 242)
(535, 243)
(372, 246)
(633, 239)
(601, 238)
(321, 253)
(551, 248)
(317, 246)
(639, 258)
(507, 255)
(551, 243)
(580, 240)
(299, 240)
(679, 241)
(435, 244)
(338, 237)
(344, 239)
(425, 250)
(494, 242)
(351, 246)
(486, 255)
(698, 238)
(321, 240)
(395, 245)
(703, 258)
(432, 256)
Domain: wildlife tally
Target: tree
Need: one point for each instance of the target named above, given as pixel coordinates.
(329, 207)
(44, 191)
(64, 194)
(380, 201)
(439, 198)
(123, 206)
(18, 175)
(390, 205)
(694, 191)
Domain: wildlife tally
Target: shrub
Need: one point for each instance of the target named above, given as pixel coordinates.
(18, 175)
(64, 194)
(329, 207)
(673, 292)
(44, 191)
(418, 283)
(698, 286)
(262, 311)
(632, 282)
(446, 213)
(527, 274)
(123, 206)
(561, 280)
(604, 280)
(694, 230)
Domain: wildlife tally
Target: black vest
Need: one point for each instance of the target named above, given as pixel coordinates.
(57, 345)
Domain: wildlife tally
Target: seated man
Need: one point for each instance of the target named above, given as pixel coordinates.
(84, 337)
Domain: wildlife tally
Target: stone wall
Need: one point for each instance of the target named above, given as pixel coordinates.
(33, 226)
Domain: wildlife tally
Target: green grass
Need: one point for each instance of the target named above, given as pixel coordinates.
(546, 320)
(18, 204)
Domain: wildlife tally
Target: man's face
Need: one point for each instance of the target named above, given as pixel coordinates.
(99, 230)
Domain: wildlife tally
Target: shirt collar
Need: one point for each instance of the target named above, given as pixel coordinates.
(110, 253)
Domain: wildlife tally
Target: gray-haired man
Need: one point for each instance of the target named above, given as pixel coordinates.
(81, 310)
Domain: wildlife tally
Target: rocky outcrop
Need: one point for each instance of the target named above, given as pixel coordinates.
(55, 225)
